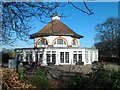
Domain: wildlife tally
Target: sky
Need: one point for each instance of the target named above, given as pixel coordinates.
(79, 22)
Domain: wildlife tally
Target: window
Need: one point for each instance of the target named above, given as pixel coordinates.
(80, 57)
(74, 42)
(60, 42)
(29, 57)
(20, 57)
(36, 57)
(40, 58)
(42, 42)
(74, 58)
(48, 57)
(66, 57)
(54, 58)
(51, 56)
(61, 57)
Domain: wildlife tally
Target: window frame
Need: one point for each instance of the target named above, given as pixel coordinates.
(74, 42)
(41, 44)
(60, 42)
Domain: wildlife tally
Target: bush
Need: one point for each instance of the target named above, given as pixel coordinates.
(39, 79)
(100, 78)
(21, 75)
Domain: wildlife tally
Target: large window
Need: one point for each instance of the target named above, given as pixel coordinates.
(77, 56)
(51, 56)
(64, 57)
(60, 41)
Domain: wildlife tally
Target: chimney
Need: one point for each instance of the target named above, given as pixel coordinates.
(56, 16)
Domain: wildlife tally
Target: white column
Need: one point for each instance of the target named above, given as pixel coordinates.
(33, 56)
(83, 56)
(44, 61)
(57, 57)
(71, 57)
(24, 56)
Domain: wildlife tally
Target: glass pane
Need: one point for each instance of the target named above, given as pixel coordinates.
(42, 42)
(40, 58)
(48, 57)
(27, 57)
(54, 58)
(80, 57)
(30, 57)
(74, 58)
(36, 57)
(66, 57)
(64, 42)
(61, 57)
(59, 41)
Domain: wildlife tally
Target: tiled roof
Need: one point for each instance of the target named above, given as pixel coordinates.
(55, 28)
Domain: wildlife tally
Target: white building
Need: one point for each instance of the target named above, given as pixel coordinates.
(57, 44)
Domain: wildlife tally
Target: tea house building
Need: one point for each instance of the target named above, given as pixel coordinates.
(56, 44)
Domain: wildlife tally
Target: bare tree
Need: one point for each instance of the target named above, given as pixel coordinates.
(16, 17)
(108, 37)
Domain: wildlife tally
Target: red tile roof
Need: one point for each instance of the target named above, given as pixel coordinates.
(55, 28)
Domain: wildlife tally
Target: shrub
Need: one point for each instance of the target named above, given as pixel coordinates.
(99, 78)
(21, 75)
(39, 79)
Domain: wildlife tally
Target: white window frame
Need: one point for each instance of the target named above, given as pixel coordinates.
(41, 44)
(74, 43)
(57, 42)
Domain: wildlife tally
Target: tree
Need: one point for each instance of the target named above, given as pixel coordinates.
(108, 37)
(17, 15)
(7, 54)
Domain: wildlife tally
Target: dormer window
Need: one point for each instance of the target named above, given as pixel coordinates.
(74, 42)
(60, 42)
(42, 43)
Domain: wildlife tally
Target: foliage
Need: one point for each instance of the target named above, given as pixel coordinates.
(100, 78)
(39, 79)
(108, 37)
(21, 75)
(7, 54)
